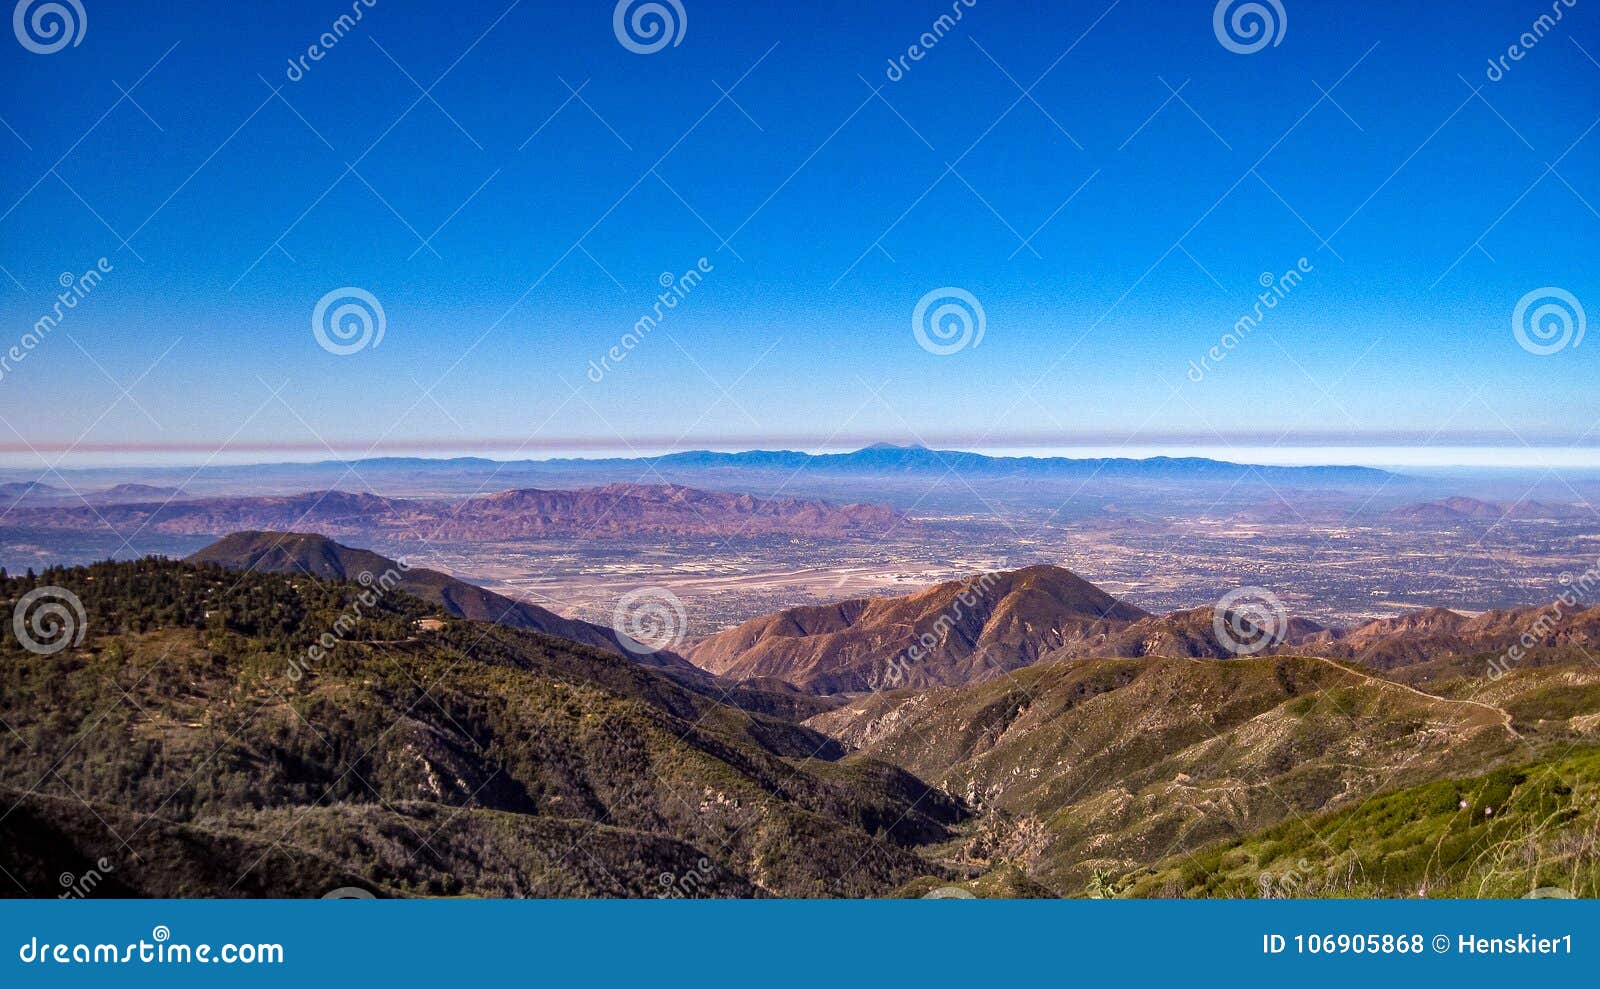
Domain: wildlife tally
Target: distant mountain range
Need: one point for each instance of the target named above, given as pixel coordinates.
(20, 492)
(613, 510)
(759, 471)
(1462, 509)
(14, 493)
(885, 459)
(134, 493)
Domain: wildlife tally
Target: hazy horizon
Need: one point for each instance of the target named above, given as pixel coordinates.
(1415, 459)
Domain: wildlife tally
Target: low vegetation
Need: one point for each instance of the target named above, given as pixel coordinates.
(223, 733)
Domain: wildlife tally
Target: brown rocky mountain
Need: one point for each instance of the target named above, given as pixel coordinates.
(959, 632)
(1182, 634)
(1418, 636)
(1435, 633)
(660, 509)
(614, 510)
(980, 628)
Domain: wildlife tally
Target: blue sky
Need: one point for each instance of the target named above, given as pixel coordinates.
(1111, 231)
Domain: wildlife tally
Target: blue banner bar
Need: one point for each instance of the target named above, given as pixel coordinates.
(795, 943)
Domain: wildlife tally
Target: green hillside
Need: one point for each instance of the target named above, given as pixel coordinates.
(1085, 772)
(475, 760)
(1508, 833)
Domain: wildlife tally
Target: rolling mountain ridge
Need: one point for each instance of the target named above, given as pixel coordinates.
(1099, 768)
(471, 760)
(475, 759)
(986, 626)
(1461, 509)
(614, 510)
(957, 632)
(318, 556)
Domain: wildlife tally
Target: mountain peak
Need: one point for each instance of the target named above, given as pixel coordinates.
(961, 631)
